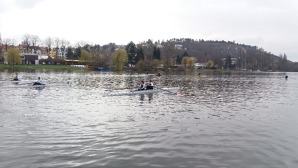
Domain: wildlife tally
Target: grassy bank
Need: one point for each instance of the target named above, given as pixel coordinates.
(55, 67)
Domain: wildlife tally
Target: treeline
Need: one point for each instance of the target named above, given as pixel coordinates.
(147, 55)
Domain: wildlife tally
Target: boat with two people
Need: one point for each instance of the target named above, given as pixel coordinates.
(143, 89)
(148, 86)
(39, 84)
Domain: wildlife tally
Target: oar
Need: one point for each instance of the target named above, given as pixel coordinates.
(164, 89)
(26, 83)
(169, 90)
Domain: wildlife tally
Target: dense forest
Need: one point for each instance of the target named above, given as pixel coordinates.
(150, 54)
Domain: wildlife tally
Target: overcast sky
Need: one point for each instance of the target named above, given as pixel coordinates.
(269, 24)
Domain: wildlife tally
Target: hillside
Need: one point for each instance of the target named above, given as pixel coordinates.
(248, 57)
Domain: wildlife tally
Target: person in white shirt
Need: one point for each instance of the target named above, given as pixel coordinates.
(38, 82)
(16, 78)
(142, 86)
(150, 85)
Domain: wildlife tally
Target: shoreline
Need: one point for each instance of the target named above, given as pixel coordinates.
(26, 67)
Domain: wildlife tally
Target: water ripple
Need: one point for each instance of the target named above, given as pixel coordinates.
(234, 120)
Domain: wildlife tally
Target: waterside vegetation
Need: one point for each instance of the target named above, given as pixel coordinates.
(182, 54)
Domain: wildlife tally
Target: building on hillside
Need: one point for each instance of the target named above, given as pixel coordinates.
(200, 65)
(159, 46)
(233, 60)
(58, 53)
(179, 46)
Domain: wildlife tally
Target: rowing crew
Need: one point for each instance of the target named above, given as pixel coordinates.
(38, 82)
(148, 86)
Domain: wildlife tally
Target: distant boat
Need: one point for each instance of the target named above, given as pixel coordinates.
(103, 68)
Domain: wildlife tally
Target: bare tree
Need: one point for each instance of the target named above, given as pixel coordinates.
(13, 42)
(34, 41)
(99, 58)
(80, 44)
(64, 44)
(148, 48)
(26, 41)
(48, 42)
(167, 54)
(57, 42)
(6, 42)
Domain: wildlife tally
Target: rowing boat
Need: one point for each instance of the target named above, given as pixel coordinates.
(22, 86)
(17, 81)
(135, 92)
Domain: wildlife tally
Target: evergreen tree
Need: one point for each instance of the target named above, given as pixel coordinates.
(131, 51)
(282, 65)
(140, 54)
(154, 52)
(178, 59)
(158, 53)
(185, 54)
(69, 54)
(228, 62)
(77, 53)
(285, 62)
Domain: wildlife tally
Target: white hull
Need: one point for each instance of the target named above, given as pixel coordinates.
(135, 92)
(23, 86)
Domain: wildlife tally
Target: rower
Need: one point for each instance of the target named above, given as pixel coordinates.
(38, 82)
(150, 86)
(142, 86)
(16, 78)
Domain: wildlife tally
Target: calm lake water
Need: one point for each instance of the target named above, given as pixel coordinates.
(231, 120)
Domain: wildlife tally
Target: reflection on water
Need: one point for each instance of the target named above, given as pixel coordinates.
(216, 120)
(146, 97)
